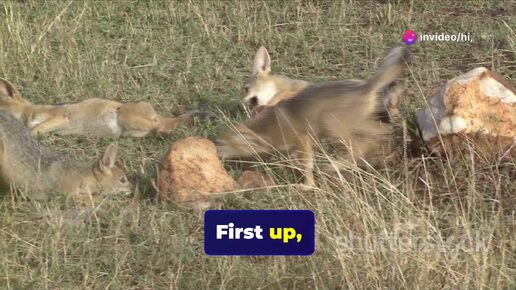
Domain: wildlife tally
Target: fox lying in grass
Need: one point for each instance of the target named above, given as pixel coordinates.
(92, 117)
(37, 171)
(264, 89)
(345, 110)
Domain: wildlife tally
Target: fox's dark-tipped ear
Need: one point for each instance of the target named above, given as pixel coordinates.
(262, 61)
(107, 162)
(7, 90)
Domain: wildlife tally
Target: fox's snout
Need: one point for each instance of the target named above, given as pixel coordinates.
(251, 102)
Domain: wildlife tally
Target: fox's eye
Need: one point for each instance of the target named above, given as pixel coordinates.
(123, 179)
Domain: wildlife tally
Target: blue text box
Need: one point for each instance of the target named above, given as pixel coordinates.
(248, 232)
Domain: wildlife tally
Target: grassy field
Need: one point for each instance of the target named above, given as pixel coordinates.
(421, 223)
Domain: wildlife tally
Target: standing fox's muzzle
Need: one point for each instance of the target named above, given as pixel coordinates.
(251, 103)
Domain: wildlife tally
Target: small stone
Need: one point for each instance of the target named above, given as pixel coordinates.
(192, 171)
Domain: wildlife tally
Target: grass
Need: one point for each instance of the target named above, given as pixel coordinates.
(421, 223)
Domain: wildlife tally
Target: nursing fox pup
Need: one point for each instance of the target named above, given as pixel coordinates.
(345, 110)
(38, 171)
(93, 117)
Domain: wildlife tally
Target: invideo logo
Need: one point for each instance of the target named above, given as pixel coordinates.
(259, 232)
(410, 37)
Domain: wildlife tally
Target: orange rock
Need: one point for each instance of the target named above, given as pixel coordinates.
(478, 106)
(250, 179)
(191, 171)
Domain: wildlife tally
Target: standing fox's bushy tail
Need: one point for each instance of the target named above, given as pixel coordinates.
(390, 69)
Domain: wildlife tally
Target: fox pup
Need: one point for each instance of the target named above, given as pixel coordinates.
(344, 110)
(92, 117)
(264, 89)
(38, 171)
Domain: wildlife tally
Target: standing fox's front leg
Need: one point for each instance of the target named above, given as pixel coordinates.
(50, 125)
(305, 155)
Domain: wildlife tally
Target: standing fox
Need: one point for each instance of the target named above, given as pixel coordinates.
(264, 89)
(37, 171)
(344, 110)
(93, 117)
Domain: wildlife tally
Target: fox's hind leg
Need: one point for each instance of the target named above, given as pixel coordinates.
(369, 138)
(137, 119)
(137, 125)
(391, 97)
(359, 142)
(50, 125)
(167, 124)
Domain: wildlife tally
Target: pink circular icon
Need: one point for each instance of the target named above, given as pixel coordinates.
(409, 37)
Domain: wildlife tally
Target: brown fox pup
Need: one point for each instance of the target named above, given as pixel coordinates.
(93, 117)
(264, 89)
(37, 171)
(344, 110)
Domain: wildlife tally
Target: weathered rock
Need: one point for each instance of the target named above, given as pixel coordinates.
(191, 171)
(478, 106)
(250, 179)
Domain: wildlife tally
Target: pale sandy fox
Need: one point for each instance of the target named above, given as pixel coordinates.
(265, 89)
(92, 117)
(38, 171)
(345, 110)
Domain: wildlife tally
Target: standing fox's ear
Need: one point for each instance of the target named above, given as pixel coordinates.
(262, 61)
(7, 90)
(107, 162)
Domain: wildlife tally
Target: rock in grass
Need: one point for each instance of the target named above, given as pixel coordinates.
(191, 171)
(478, 106)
